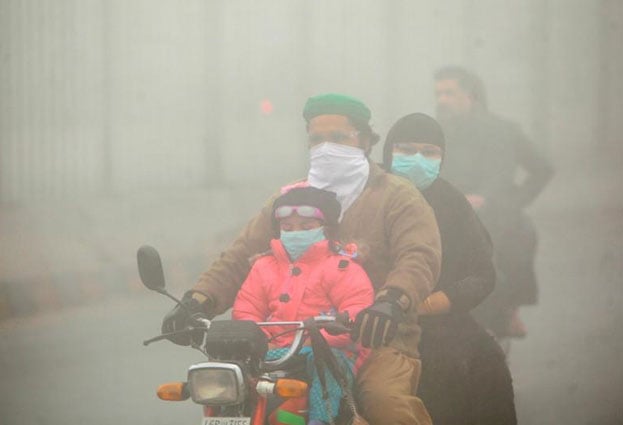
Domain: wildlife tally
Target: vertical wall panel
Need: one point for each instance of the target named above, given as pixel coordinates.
(264, 44)
(574, 78)
(610, 124)
(160, 126)
(51, 94)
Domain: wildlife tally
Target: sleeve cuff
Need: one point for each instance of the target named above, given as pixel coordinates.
(395, 295)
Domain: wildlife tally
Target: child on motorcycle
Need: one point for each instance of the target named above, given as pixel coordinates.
(306, 274)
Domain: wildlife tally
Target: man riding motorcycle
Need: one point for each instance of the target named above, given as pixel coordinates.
(382, 212)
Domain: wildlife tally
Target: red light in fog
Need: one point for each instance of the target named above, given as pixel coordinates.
(266, 106)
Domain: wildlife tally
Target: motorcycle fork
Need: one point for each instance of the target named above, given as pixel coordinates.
(260, 411)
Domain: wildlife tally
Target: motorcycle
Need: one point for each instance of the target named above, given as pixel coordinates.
(237, 385)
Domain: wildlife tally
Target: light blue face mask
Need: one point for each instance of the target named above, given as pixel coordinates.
(296, 242)
(420, 170)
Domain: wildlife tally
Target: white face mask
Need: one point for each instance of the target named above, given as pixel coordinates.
(339, 168)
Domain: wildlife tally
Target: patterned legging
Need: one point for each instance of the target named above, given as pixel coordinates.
(318, 407)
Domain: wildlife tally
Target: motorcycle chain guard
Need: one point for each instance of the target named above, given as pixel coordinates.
(236, 340)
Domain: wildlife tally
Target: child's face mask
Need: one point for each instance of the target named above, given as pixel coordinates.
(296, 242)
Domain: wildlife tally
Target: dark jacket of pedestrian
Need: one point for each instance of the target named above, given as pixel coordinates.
(491, 158)
(484, 154)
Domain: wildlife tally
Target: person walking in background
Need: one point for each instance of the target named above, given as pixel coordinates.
(485, 155)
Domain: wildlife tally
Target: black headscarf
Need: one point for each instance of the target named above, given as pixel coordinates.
(417, 128)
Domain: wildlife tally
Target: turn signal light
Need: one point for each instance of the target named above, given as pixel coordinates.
(173, 391)
(290, 388)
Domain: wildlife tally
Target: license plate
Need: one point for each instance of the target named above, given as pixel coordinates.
(226, 421)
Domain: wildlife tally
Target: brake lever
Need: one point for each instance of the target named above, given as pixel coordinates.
(168, 334)
(341, 325)
(163, 336)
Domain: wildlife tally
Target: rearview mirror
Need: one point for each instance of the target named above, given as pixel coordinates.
(150, 268)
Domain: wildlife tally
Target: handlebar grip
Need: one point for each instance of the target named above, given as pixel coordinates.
(343, 318)
(336, 329)
(199, 320)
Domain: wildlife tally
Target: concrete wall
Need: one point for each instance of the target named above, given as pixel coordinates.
(109, 96)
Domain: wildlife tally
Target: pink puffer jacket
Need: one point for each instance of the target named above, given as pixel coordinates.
(320, 282)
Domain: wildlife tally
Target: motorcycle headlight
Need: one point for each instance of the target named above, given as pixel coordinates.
(216, 384)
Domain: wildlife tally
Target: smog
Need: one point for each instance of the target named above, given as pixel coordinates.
(172, 123)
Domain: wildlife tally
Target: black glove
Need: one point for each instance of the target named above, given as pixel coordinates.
(180, 317)
(376, 325)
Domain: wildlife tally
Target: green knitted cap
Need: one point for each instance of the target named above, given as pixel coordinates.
(336, 104)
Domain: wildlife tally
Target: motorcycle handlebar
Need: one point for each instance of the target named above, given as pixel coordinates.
(335, 325)
(165, 336)
(341, 326)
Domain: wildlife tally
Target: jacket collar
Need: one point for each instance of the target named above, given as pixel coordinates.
(375, 173)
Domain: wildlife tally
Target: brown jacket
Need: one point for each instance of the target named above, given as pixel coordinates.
(391, 218)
